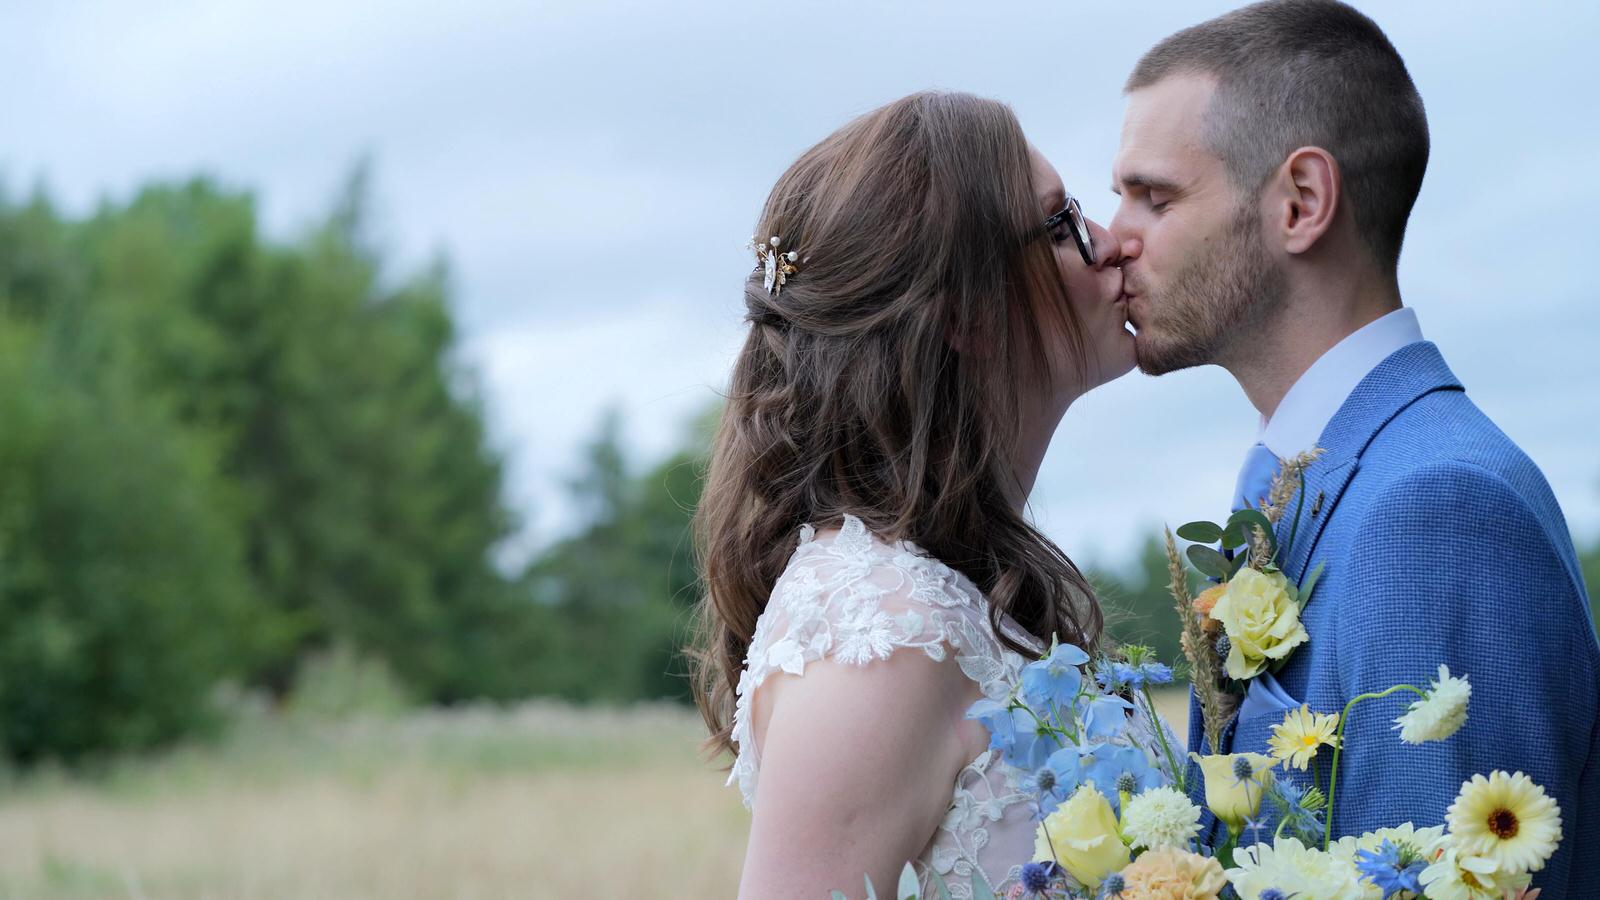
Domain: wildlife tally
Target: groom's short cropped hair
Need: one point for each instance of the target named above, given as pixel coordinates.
(1296, 73)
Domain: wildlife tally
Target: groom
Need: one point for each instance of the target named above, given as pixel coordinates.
(1268, 163)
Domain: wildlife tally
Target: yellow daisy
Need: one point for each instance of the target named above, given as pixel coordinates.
(1302, 732)
(1506, 818)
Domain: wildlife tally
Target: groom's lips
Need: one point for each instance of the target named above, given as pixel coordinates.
(1126, 299)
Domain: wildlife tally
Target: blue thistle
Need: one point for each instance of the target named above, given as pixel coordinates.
(1113, 886)
(1036, 876)
(1242, 770)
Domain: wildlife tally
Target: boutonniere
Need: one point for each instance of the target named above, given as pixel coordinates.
(1248, 622)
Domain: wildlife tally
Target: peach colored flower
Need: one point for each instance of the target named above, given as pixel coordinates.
(1171, 874)
(1202, 604)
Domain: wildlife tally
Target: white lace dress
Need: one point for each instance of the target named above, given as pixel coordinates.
(857, 598)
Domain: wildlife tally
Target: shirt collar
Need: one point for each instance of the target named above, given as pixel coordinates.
(1310, 404)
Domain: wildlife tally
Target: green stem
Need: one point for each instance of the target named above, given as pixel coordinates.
(1161, 733)
(1224, 853)
(1338, 747)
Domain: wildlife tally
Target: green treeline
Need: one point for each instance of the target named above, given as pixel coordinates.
(231, 458)
(222, 453)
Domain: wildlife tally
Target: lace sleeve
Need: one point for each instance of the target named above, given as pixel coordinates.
(856, 600)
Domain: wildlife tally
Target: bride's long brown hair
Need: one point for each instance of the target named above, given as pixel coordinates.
(883, 380)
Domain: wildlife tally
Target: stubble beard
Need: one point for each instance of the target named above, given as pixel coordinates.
(1214, 303)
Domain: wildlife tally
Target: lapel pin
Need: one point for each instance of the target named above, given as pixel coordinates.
(1316, 505)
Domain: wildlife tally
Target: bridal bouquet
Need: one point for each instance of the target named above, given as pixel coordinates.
(1116, 821)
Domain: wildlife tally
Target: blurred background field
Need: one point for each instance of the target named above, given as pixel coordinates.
(542, 799)
(538, 800)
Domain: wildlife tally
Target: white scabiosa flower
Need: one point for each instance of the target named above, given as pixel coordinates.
(1161, 817)
(1439, 714)
(1505, 818)
(1294, 870)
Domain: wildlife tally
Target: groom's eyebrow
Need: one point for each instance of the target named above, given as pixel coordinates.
(1148, 182)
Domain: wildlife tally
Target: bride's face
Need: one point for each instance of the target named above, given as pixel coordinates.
(1095, 292)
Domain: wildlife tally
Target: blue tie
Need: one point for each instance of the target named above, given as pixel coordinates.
(1255, 477)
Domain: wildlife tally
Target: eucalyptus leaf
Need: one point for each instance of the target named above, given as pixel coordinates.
(837, 895)
(1235, 536)
(1200, 532)
(938, 882)
(1309, 584)
(1253, 518)
(872, 892)
(908, 889)
(980, 886)
(1237, 564)
(1208, 561)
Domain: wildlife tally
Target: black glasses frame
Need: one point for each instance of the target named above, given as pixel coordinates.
(1072, 214)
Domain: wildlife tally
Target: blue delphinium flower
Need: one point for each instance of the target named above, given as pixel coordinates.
(1273, 894)
(1108, 762)
(998, 719)
(1054, 680)
(1104, 715)
(1389, 868)
(1066, 773)
(1033, 743)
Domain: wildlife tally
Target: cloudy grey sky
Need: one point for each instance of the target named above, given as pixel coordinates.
(592, 169)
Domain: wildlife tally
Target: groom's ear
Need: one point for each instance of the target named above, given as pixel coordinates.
(1305, 198)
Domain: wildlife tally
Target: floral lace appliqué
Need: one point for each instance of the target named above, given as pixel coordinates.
(859, 599)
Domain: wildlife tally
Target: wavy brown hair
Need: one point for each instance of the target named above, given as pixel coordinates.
(920, 232)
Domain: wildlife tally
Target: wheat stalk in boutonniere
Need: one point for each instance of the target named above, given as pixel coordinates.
(1285, 488)
(1216, 706)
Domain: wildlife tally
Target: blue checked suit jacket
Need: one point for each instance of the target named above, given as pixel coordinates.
(1443, 544)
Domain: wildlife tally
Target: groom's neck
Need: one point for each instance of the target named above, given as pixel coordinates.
(1317, 314)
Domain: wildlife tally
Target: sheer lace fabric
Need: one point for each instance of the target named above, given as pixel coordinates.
(857, 599)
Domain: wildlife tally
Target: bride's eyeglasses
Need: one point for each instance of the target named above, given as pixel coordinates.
(1070, 219)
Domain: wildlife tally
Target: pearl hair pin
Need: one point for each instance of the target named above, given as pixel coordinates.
(778, 265)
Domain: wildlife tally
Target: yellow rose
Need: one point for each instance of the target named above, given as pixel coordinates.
(1261, 622)
(1082, 836)
(1229, 797)
(1170, 874)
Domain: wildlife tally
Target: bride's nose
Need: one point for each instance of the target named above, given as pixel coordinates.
(1107, 249)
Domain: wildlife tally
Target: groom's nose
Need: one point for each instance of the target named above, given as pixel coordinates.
(1107, 250)
(1129, 244)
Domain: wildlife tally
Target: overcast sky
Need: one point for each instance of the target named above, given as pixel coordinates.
(593, 169)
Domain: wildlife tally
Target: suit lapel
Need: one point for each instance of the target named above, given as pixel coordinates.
(1406, 376)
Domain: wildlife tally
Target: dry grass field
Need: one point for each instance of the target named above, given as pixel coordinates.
(539, 801)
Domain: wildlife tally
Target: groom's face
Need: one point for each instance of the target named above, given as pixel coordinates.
(1196, 268)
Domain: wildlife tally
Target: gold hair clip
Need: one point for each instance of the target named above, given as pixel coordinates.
(779, 266)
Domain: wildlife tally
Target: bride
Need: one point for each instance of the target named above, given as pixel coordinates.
(928, 301)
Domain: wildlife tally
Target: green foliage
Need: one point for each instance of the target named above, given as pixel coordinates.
(339, 683)
(618, 594)
(269, 437)
(122, 586)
